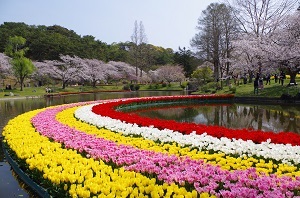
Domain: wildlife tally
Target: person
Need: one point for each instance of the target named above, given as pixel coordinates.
(276, 78)
(281, 78)
(268, 79)
(261, 83)
(256, 85)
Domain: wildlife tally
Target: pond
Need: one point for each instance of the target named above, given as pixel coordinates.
(10, 186)
(275, 118)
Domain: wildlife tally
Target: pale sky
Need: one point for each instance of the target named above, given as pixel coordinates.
(167, 23)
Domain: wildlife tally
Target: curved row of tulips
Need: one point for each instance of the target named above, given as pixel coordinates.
(103, 155)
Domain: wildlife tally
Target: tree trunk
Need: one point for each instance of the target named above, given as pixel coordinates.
(216, 70)
(293, 78)
(63, 84)
(21, 82)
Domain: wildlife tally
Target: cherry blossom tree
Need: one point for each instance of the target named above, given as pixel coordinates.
(124, 71)
(282, 49)
(40, 74)
(153, 75)
(93, 70)
(67, 70)
(259, 20)
(5, 65)
(170, 73)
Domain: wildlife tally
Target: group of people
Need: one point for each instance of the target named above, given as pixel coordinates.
(48, 90)
(279, 78)
(258, 82)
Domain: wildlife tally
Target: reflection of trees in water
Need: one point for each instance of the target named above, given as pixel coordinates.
(255, 117)
(179, 114)
(263, 118)
(14, 107)
(268, 114)
(281, 117)
(1, 154)
(292, 124)
(172, 113)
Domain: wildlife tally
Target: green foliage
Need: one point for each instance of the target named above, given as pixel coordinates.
(184, 57)
(22, 67)
(126, 87)
(161, 56)
(232, 89)
(48, 42)
(15, 45)
(136, 87)
(184, 85)
(203, 75)
(210, 87)
(205, 88)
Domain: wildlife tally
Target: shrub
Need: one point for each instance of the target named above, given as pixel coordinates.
(126, 87)
(205, 88)
(286, 97)
(132, 87)
(232, 89)
(183, 85)
(137, 87)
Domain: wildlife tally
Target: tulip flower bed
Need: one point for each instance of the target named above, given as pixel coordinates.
(94, 149)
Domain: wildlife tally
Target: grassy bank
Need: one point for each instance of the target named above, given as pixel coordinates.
(272, 90)
(41, 91)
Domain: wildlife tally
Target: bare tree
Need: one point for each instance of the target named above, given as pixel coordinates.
(261, 17)
(217, 28)
(139, 47)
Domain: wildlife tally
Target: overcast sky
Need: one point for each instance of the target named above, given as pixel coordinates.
(167, 23)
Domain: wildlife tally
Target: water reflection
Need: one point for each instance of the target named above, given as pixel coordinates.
(274, 118)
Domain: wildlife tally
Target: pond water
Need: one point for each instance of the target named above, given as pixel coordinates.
(10, 186)
(274, 118)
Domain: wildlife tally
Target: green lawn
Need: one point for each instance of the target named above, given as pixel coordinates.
(273, 90)
(41, 91)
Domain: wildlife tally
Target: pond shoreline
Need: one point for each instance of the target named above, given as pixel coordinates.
(264, 100)
(243, 99)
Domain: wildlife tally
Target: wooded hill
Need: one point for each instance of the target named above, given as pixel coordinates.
(48, 42)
